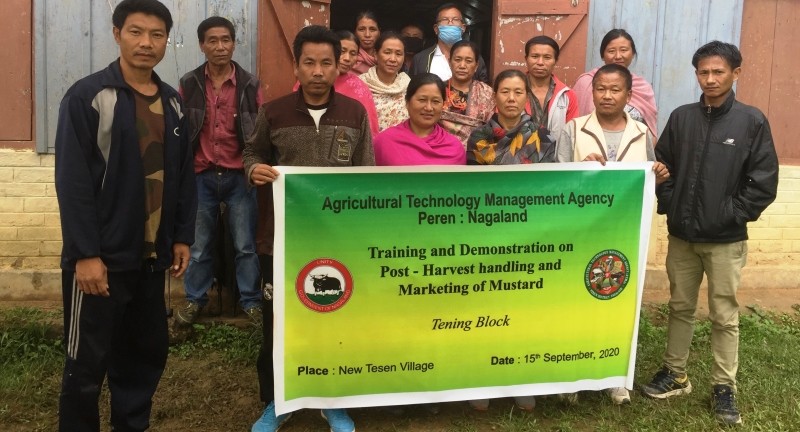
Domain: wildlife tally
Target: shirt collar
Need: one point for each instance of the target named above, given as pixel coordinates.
(231, 77)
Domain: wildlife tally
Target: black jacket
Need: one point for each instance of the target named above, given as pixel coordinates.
(723, 171)
(193, 89)
(100, 178)
(422, 63)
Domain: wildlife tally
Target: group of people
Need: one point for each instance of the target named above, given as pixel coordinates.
(126, 140)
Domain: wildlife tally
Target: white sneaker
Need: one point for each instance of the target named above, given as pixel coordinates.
(619, 395)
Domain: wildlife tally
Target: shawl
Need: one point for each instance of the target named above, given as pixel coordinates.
(642, 98)
(352, 87)
(399, 145)
(363, 62)
(389, 98)
(491, 144)
(480, 107)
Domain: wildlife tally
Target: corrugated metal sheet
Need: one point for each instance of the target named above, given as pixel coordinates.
(74, 38)
(667, 33)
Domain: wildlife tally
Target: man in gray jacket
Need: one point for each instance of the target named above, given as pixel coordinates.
(724, 173)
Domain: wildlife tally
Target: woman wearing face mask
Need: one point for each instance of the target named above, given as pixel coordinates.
(468, 103)
(618, 47)
(368, 32)
(551, 104)
(386, 82)
(509, 137)
(420, 140)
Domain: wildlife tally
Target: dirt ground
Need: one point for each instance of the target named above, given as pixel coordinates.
(202, 394)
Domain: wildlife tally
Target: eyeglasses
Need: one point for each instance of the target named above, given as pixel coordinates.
(454, 21)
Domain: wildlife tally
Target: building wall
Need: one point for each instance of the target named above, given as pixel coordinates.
(29, 224)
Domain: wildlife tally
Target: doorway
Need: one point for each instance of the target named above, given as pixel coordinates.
(395, 14)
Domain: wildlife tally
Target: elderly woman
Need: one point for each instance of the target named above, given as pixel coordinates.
(368, 32)
(510, 136)
(468, 102)
(386, 82)
(551, 104)
(618, 47)
(420, 140)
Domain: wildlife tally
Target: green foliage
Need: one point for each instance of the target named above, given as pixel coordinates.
(234, 344)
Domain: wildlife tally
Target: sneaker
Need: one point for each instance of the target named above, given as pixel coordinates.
(525, 403)
(188, 314)
(568, 398)
(619, 395)
(338, 420)
(269, 422)
(723, 401)
(255, 314)
(479, 404)
(667, 383)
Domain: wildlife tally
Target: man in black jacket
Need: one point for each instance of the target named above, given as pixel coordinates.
(724, 173)
(449, 28)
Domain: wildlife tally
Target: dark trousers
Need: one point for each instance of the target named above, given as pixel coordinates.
(266, 377)
(124, 337)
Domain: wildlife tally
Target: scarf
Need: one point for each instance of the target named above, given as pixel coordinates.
(400, 146)
(389, 98)
(491, 144)
(363, 62)
(480, 107)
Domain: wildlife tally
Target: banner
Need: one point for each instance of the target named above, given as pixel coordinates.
(398, 285)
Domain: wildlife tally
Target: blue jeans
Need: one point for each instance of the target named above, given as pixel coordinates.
(231, 188)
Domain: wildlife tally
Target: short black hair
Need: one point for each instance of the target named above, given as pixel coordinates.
(465, 43)
(347, 35)
(446, 6)
(727, 51)
(612, 68)
(616, 34)
(212, 22)
(511, 73)
(316, 34)
(147, 7)
(422, 79)
(542, 40)
(386, 36)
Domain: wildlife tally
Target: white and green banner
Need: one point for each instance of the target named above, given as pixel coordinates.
(399, 285)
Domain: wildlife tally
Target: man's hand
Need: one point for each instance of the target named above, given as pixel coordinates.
(595, 157)
(180, 259)
(90, 273)
(263, 174)
(661, 171)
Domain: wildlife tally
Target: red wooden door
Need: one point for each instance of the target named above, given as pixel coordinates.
(17, 75)
(278, 23)
(769, 77)
(516, 21)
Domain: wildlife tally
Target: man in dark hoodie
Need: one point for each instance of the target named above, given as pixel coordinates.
(127, 199)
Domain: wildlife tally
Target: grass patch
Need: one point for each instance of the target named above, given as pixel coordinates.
(210, 385)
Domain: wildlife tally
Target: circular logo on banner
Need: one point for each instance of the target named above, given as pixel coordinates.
(607, 274)
(324, 285)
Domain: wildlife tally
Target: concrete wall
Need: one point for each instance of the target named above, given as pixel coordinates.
(30, 234)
